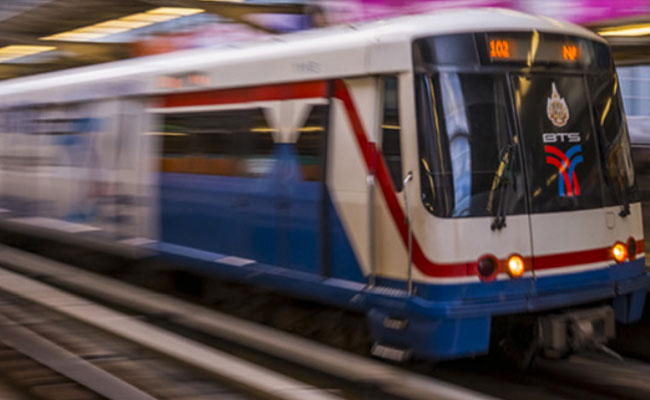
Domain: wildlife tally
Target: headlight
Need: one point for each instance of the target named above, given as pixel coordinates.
(619, 251)
(516, 266)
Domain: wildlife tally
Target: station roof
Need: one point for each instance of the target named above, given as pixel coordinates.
(24, 23)
(628, 37)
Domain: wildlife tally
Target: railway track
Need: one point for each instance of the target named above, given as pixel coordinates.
(56, 346)
(46, 355)
(579, 377)
(323, 372)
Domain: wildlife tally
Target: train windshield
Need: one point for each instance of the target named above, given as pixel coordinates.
(500, 133)
(614, 140)
(471, 152)
(560, 145)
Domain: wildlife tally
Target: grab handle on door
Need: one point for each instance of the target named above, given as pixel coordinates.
(409, 281)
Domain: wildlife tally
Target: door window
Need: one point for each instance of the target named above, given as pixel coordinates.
(390, 128)
(311, 143)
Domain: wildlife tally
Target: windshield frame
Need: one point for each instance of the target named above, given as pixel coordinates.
(435, 175)
(630, 193)
(477, 65)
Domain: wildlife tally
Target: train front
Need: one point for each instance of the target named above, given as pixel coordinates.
(530, 206)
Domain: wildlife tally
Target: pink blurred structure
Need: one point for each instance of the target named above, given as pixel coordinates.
(578, 11)
(346, 11)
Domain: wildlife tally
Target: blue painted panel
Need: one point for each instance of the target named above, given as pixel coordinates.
(275, 220)
(200, 211)
(512, 295)
(439, 329)
(338, 292)
(436, 338)
(344, 262)
(629, 307)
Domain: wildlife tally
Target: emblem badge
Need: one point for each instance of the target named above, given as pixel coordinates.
(566, 164)
(556, 108)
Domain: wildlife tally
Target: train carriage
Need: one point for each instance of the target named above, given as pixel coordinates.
(438, 173)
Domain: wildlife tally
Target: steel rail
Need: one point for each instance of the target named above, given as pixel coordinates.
(243, 374)
(335, 362)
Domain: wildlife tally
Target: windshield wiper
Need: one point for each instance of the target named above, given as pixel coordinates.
(501, 181)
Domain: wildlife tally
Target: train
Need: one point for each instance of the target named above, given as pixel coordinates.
(460, 178)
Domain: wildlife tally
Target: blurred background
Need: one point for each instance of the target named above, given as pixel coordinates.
(45, 35)
(40, 36)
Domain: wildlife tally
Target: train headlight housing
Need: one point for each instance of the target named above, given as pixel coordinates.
(515, 266)
(488, 268)
(631, 248)
(619, 252)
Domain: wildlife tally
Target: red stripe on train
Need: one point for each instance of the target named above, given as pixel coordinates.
(374, 161)
(302, 90)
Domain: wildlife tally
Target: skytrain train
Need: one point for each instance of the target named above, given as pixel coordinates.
(457, 177)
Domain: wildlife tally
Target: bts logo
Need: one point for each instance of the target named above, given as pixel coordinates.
(566, 164)
(573, 137)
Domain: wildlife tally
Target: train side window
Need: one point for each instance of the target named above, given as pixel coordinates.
(175, 144)
(613, 139)
(390, 127)
(311, 143)
(228, 143)
(259, 145)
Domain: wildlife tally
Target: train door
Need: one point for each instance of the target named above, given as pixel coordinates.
(390, 257)
(301, 149)
(563, 172)
(353, 128)
(211, 164)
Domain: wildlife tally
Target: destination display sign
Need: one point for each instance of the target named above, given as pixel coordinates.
(504, 47)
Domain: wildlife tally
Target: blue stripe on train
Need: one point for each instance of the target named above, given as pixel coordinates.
(525, 295)
(275, 220)
(528, 287)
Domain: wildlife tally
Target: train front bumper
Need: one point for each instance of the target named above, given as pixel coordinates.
(457, 327)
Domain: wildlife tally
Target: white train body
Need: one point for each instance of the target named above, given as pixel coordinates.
(86, 151)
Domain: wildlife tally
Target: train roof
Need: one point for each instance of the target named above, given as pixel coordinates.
(350, 50)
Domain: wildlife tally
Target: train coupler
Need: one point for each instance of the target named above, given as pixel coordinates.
(577, 330)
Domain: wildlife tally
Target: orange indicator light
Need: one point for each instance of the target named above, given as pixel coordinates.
(499, 49)
(619, 251)
(516, 266)
(570, 52)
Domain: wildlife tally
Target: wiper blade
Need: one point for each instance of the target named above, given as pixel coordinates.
(500, 182)
(626, 202)
(614, 153)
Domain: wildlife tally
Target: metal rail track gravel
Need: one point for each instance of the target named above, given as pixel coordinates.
(591, 377)
(48, 356)
(579, 377)
(245, 376)
(393, 381)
